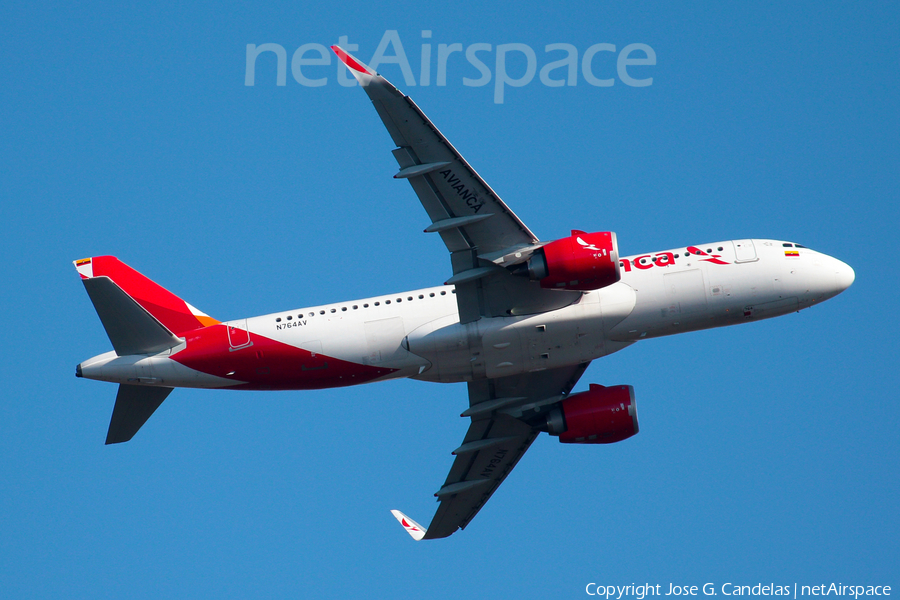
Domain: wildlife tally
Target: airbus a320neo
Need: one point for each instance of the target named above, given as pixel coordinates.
(518, 321)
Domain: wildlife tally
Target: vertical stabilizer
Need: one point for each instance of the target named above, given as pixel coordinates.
(174, 313)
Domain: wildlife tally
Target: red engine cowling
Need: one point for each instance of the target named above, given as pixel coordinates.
(582, 261)
(602, 415)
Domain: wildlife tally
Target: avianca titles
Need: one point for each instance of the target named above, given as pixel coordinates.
(518, 320)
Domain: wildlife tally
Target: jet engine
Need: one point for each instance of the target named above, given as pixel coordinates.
(582, 261)
(601, 415)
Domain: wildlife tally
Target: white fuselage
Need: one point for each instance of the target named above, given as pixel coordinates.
(417, 334)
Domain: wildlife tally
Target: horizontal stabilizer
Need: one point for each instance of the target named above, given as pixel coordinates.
(134, 405)
(412, 528)
(131, 329)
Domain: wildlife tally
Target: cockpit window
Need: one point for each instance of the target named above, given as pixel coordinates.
(786, 245)
(799, 246)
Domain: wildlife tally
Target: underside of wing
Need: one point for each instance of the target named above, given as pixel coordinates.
(497, 438)
(483, 235)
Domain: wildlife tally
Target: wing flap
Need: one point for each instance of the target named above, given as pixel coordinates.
(458, 202)
(458, 190)
(493, 445)
(476, 475)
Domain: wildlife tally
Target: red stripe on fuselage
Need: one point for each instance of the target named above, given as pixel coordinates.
(267, 364)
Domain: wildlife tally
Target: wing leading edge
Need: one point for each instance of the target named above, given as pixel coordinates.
(484, 237)
(495, 441)
(481, 232)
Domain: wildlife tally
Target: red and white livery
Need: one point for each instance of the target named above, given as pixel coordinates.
(518, 320)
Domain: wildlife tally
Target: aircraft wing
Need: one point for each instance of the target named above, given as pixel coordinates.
(496, 440)
(482, 234)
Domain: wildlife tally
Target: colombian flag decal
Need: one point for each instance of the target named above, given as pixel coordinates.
(791, 253)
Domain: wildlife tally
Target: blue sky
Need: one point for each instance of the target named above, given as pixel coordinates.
(767, 452)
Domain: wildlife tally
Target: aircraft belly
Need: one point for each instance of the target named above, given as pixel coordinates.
(502, 346)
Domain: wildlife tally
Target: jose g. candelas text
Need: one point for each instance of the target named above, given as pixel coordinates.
(639, 592)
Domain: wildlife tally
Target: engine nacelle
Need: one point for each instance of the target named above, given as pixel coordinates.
(601, 415)
(582, 261)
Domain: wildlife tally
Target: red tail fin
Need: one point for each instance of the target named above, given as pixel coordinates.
(170, 310)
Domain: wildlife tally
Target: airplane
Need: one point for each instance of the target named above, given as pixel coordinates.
(519, 320)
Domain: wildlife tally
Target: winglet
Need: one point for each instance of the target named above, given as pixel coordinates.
(359, 69)
(412, 528)
(352, 62)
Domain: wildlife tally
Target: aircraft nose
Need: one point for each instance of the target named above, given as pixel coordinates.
(844, 275)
